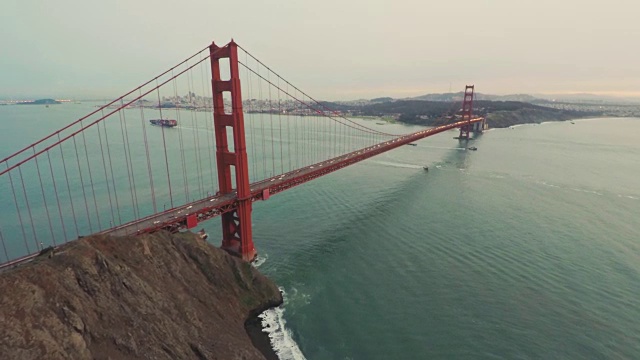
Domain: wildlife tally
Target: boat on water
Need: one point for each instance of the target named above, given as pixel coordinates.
(413, 144)
(426, 168)
(164, 122)
(472, 148)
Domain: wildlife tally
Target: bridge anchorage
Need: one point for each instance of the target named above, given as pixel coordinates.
(115, 172)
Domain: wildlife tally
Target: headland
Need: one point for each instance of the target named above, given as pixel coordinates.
(161, 296)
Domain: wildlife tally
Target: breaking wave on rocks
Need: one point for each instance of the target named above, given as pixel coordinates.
(282, 342)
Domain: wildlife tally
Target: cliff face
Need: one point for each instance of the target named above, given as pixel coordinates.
(160, 296)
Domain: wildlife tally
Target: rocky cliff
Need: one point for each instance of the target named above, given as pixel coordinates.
(159, 296)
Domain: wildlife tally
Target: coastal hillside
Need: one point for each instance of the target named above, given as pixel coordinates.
(506, 118)
(159, 296)
(432, 113)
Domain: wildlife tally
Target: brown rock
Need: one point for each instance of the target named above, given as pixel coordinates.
(160, 296)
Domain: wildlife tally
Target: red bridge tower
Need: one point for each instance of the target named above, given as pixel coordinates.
(467, 106)
(236, 225)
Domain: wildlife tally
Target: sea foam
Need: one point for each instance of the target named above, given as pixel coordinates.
(273, 323)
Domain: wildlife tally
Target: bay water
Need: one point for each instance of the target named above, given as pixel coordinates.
(528, 248)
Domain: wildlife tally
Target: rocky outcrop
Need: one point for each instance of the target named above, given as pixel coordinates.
(159, 296)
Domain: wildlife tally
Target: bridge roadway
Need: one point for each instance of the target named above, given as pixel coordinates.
(177, 218)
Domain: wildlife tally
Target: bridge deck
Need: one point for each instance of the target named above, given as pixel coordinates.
(176, 219)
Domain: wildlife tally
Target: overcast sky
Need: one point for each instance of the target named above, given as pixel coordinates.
(333, 49)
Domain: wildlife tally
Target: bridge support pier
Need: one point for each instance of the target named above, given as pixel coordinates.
(467, 106)
(478, 127)
(236, 225)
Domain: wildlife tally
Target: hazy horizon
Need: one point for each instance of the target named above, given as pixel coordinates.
(333, 50)
(564, 96)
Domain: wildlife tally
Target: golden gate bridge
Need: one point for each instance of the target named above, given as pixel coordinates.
(106, 174)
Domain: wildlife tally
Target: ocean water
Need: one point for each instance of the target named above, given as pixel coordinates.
(528, 248)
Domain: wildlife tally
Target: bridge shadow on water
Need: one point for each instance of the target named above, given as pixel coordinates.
(398, 196)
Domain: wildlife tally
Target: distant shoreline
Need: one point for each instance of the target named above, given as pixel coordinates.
(40, 102)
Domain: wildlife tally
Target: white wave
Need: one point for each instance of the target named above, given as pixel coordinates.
(574, 189)
(259, 261)
(273, 323)
(586, 191)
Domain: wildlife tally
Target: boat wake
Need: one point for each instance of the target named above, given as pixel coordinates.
(398, 165)
(443, 147)
(273, 323)
(588, 191)
(630, 197)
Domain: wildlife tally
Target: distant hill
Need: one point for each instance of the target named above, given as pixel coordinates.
(432, 112)
(586, 98)
(577, 98)
(478, 96)
(382, 99)
(40, 102)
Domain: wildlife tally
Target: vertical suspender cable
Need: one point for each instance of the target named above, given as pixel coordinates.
(264, 151)
(134, 196)
(316, 139)
(26, 200)
(44, 198)
(15, 200)
(166, 159)
(106, 178)
(93, 191)
(288, 130)
(271, 125)
(300, 124)
(146, 150)
(192, 103)
(66, 177)
(84, 194)
(6, 254)
(281, 140)
(296, 139)
(113, 178)
(55, 191)
(254, 160)
(196, 148)
(210, 144)
(211, 134)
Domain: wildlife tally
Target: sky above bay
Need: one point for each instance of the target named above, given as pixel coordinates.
(334, 49)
